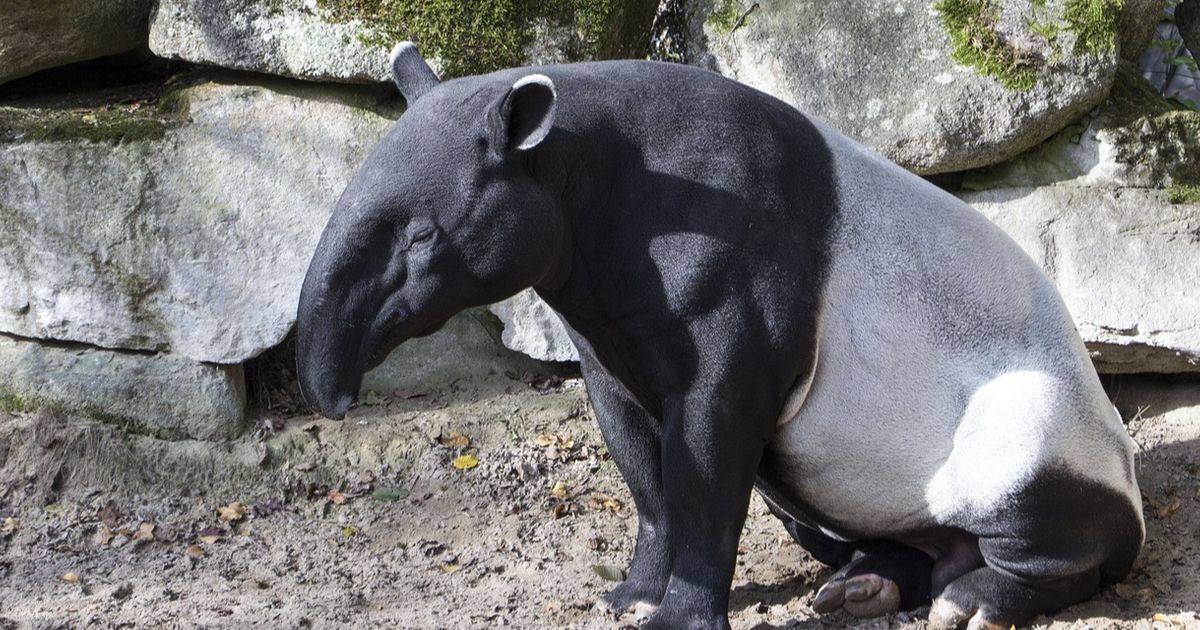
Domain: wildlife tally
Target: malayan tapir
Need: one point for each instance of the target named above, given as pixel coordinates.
(758, 303)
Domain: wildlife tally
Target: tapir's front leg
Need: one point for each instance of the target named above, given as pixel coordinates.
(633, 439)
(711, 451)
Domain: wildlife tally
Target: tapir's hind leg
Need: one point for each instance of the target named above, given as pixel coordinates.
(1054, 544)
(873, 578)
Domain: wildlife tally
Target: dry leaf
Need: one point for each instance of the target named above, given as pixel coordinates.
(597, 543)
(104, 535)
(337, 497)
(454, 440)
(195, 551)
(145, 531)
(233, 512)
(465, 462)
(559, 491)
(544, 439)
(109, 516)
(560, 510)
(210, 535)
(609, 572)
(449, 567)
(349, 531)
(73, 578)
(9, 526)
(1169, 510)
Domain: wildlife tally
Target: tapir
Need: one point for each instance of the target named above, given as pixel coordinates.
(758, 302)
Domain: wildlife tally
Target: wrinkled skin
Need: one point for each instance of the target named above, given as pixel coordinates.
(758, 302)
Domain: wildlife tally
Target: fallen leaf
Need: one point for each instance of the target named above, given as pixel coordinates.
(109, 515)
(233, 512)
(389, 494)
(559, 491)
(449, 567)
(104, 535)
(609, 572)
(195, 551)
(262, 584)
(349, 531)
(337, 497)
(465, 462)
(598, 543)
(88, 118)
(1169, 510)
(210, 535)
(560, 510)
(601, 502)
(145, 531)
(54, 509)
(9, 526)
(73, 578)
(544, 439)
(371, 399)
(454, 440)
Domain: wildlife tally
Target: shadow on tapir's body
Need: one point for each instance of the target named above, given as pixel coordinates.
(757, 301)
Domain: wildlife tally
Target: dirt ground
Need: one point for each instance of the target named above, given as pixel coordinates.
(489, 503)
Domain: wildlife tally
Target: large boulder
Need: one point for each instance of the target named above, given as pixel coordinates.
(1125, 260)
(936, 87)
(1111, 209)
(40, 34)
(186, 230)
(349, 41)
(154, 394)
(1187, 18)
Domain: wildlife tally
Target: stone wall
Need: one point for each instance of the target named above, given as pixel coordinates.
(158, 209)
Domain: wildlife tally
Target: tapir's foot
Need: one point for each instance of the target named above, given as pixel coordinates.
(632, 597)
(985, 599)
(883, 579)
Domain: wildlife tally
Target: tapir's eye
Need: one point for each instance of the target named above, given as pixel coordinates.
(423, 235)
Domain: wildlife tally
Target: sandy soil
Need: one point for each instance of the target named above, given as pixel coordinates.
(369, 523)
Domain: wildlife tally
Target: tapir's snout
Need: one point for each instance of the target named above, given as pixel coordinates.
(327, 359)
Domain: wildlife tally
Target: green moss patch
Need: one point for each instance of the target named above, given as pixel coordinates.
(976, 41)
(1094, 23)
(478, 37)
(141, 120)
(725, 16)
(1184, 193)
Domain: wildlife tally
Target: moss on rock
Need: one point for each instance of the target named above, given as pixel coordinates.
(478, 37)
(977, 42)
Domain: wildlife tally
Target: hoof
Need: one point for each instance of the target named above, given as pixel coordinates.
(863, 596)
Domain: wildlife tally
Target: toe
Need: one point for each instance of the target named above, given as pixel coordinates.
(885, 600)
(863, 587)
(830, 597)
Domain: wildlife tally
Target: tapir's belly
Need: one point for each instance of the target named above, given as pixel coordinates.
(948, 374)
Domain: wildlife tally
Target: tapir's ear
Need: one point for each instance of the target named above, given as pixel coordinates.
(412, 75)
(526, 114)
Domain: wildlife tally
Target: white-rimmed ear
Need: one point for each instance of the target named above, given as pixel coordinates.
(526, 114)
(412, 75)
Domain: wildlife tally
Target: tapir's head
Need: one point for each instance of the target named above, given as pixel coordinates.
(445, 214)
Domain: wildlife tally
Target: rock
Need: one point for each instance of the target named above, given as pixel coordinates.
(188, 233)
(350, 41)
(532, 327)
(467, 347)
(285, 38)
(1125, 261)
(1187, 18)
(40, 34)
(1139, 19)
(935, 89)
(1136, 139)
(155, 394)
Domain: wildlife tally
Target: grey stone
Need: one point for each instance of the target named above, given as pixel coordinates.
(1139, 19)
(40, 34)
(532, 327)
(883, 73)
(284, 38)
(1126, 261)
(1187, 18)
(467, 348)
(156, 394)
(194, 243)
